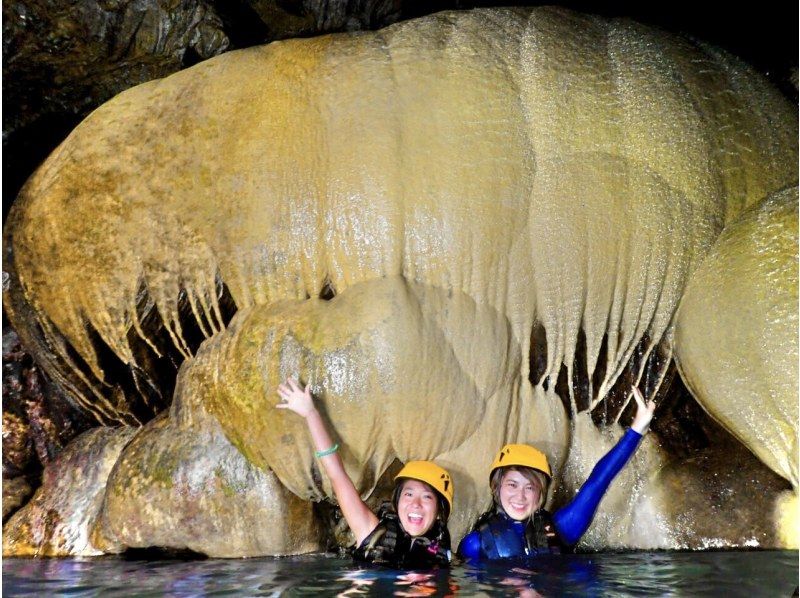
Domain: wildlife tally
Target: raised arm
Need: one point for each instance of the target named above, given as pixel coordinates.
(358, 516)
(572, 520)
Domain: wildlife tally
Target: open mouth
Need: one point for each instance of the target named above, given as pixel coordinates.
(415, 518)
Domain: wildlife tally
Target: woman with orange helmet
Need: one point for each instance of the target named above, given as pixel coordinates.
(516, 525)
(412, 532)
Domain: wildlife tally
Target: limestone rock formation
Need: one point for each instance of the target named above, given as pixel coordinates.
(736, 332)
(63, 59)
(657, 180)
(16, 492)
(464, 230)
(17, 445)
(37, 423)
(176, 484)
(737, 337)
(59, 518)
(181, 485)
(357, 351)
(726, 479)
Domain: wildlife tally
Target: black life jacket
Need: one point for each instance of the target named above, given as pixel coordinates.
(389, 544)
(499, 540)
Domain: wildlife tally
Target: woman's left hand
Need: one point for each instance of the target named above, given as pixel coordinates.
(644, 412)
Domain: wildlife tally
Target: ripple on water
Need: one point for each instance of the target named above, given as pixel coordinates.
(729, 574)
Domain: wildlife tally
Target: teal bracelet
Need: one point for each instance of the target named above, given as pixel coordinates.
(327, 452)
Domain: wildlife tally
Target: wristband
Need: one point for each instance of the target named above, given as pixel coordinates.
(326, 452)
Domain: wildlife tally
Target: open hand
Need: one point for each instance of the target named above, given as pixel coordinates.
(644, 412)
(295, 398)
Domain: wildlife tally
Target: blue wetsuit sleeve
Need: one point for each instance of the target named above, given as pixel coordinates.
(573, 519)
(470, 547)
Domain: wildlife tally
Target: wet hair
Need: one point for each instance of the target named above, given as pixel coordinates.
(532, 475)
(442, 508)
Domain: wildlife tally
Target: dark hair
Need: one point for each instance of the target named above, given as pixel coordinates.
(442, 508)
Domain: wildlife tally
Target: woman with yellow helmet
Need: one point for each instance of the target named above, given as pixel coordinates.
(412, 533)
(516, 525)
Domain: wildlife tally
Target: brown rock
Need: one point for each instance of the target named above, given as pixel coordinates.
(15, 492)
(721, 496)
(57, 521)
(17, 445)
(62, 59)
(37, 419)
(180, 484)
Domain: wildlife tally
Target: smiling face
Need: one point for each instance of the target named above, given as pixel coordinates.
(417, 507)
(519, 494)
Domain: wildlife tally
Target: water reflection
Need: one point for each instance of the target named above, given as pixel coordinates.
(385, 582)
(579, 575)
(765, 573)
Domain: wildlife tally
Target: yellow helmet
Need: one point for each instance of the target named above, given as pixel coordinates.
(523, 455)
(436, 477)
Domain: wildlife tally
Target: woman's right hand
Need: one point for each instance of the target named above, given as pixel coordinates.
(356, 512)
(295, 398)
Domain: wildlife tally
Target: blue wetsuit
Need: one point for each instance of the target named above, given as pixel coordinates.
(510, 538)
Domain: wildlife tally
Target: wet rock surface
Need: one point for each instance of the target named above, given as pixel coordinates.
(58, 519)
(38, 422)
(16, 492)
(176, 484)
(190, 247)
(181, 485)
(722, 497)
(168, 460)
(63, 59)
(17, 445)
(736, 334)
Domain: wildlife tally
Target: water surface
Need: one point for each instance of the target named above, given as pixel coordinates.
(727, 574)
